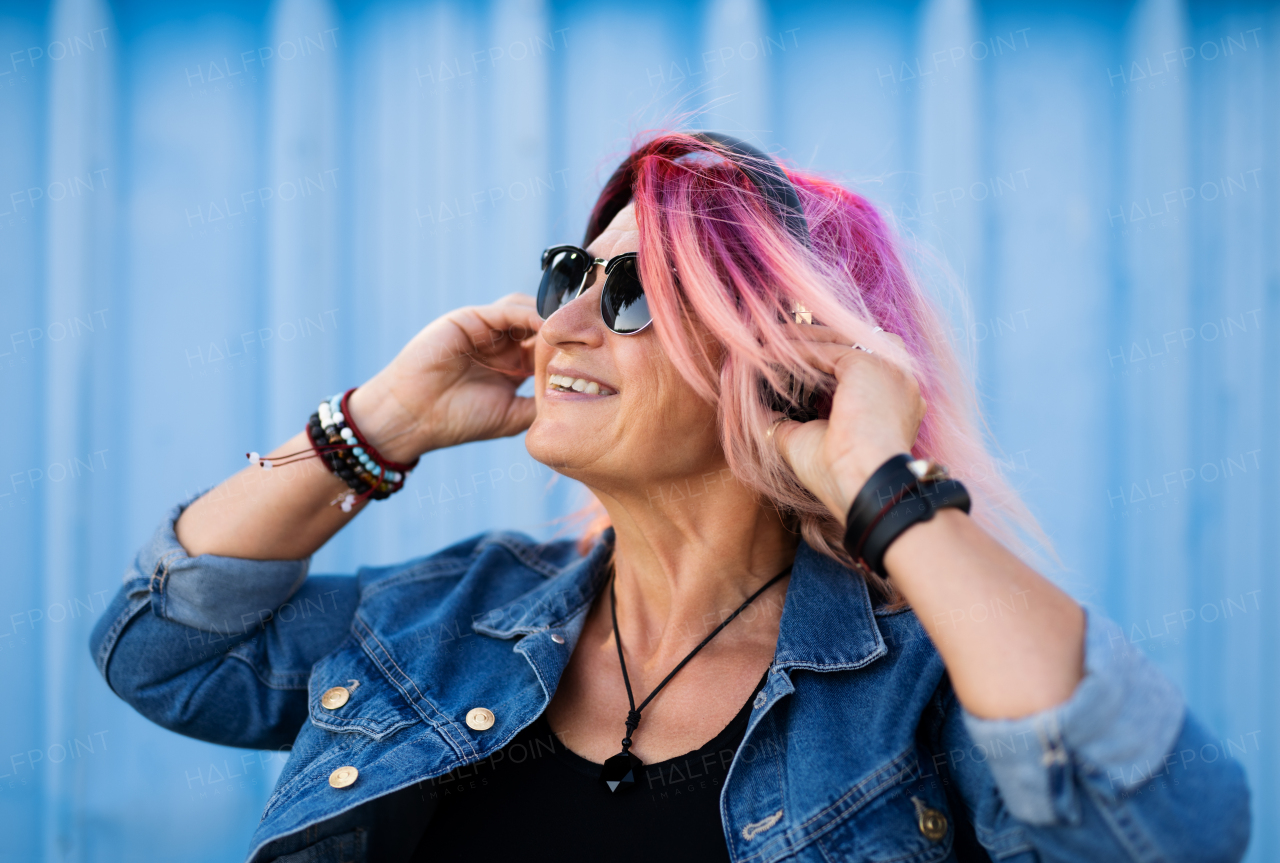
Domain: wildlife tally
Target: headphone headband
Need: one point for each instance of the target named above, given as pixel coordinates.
(763, 172)
(769, 179)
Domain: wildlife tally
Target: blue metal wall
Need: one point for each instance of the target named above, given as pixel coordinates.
(211, 215)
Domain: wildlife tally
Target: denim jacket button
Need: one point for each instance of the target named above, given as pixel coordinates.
(343, 776)
(932, 823)
(480, 718)
(335, 697)
(557, 638)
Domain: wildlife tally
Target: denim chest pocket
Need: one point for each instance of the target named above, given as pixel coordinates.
(349, 693)
(906, 824)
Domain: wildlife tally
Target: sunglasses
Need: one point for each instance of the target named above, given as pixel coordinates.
(623, 307)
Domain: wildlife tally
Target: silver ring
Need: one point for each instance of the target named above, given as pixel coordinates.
(878, 330)
(858, 347)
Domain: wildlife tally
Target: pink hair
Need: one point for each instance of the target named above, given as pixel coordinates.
(711, 250)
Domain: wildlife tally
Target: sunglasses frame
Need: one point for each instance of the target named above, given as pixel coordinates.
(609, 266)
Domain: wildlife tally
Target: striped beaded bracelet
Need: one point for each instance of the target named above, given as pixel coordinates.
(337, 441)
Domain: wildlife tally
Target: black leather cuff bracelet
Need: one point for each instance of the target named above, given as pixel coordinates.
(893, 478)
(902, 492)
(916, 506)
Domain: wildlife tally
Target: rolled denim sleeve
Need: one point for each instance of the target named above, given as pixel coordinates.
(1119, 724)
(216, 648)
(226, 595)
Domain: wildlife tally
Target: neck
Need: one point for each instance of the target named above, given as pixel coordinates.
(688, 554)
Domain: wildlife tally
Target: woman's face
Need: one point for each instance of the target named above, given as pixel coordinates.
(646, 425)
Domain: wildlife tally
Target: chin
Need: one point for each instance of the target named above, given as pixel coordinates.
(535, 440)
(559, 443)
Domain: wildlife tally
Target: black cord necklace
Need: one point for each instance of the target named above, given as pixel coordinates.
(619, 773)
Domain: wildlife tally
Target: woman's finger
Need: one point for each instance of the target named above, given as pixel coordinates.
(490, 329)
(779, 431)
(827, 356)
(521, 413)
(520, 318)
(879, 341)
(777, 434)
(815, 333)
(822, 333)
(518, 299)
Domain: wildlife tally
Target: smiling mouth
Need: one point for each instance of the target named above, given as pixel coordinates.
(566, 384)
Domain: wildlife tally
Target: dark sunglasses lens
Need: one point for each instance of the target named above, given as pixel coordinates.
(622, 304)
(560, 278)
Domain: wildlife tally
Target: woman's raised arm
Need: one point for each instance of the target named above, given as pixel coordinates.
(1076, 726)
(1033, 660)
(442, 389)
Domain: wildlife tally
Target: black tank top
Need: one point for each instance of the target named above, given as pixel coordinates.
(536, 800)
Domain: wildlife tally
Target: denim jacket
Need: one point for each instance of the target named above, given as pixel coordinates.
(856, 747)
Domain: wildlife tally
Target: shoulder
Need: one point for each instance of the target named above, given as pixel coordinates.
(496, 584)
(494, 554)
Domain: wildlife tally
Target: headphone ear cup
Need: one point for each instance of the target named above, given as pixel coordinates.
(810, 403)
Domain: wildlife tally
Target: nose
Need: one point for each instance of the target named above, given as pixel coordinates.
(577, 321)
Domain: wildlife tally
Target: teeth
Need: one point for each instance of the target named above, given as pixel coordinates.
(565, 383)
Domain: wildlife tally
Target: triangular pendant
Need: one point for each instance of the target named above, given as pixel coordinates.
(621, 772)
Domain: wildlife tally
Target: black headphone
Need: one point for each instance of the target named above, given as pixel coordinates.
(769, 179)
(763, 172)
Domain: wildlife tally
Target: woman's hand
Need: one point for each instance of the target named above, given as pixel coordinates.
(875, 414)
(444, 387)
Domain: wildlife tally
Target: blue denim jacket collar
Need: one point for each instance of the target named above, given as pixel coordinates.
(828, 622)
(556, 602)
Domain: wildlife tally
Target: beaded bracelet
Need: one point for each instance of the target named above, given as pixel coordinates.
(337, 441)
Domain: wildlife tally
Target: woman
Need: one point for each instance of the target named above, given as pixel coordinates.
(844, 665)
